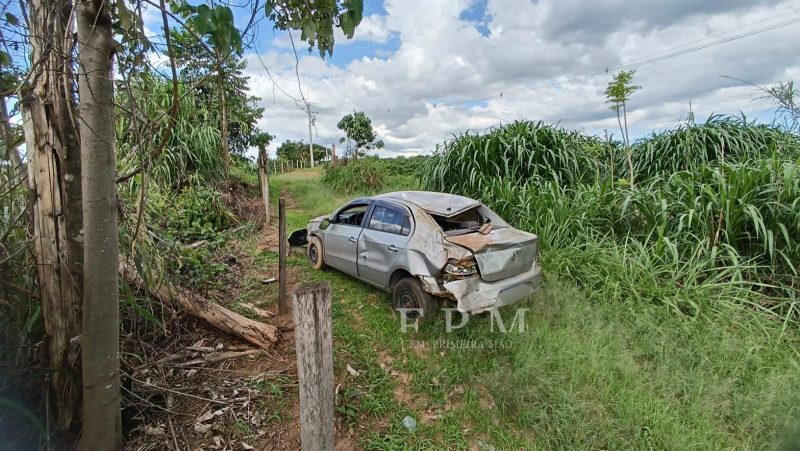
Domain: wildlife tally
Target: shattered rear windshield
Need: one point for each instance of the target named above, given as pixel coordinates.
(465, 222)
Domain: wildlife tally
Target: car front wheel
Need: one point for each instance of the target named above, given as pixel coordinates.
(408, 294)
(315, 256)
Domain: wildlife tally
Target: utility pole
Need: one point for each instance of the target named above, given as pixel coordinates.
(310, 137)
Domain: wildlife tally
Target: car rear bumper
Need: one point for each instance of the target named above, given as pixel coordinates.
(476, 295)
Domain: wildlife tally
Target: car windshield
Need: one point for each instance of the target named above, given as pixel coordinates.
(467, 221)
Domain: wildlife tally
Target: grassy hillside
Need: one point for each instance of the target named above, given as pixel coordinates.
(596, 368)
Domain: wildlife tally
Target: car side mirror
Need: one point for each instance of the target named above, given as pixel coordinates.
(325, 224)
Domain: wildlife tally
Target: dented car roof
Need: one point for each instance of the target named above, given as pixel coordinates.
(441, 204)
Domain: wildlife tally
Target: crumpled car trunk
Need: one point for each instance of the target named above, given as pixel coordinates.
(503, 252)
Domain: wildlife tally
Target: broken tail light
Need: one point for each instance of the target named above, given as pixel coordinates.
(460, 269)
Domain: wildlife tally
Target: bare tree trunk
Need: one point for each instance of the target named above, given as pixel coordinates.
(628, 149)
(226, 153)
(625, 144)
(54, 171)
(102, 424)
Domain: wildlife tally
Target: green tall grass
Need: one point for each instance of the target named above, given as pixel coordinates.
(191, 156)
(519, 151)
(715, 214)
(718, 139)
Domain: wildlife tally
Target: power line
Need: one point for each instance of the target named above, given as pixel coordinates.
(672, 52)
(660, 56)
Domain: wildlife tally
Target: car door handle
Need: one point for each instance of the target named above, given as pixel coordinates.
(352, 239)
(393, 248)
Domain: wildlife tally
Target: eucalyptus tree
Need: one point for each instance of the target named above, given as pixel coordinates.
(53, 153)
(222, 83)
(102, 426)
(358, 129)
(71, 150)
(618, 93)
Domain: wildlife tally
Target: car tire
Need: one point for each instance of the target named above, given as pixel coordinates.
(315, 255)
(408, 293)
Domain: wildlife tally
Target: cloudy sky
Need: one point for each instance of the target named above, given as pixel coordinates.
(424, 70)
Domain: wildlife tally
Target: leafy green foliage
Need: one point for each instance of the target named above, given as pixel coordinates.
(316, 21)
(298, 151)
(197, 269)
(355, 176)
(358, 128)
(195, 213)
(784, 96)
(191, 155)
(215, 23)
(261, 140)
(620, 89)
(718, 139)
(519, 151)
(210, 74)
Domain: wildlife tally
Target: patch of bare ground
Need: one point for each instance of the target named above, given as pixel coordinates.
(186, 386)
(269, 239)
(485, 398)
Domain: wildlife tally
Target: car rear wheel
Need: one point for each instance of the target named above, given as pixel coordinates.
(315, 256)
(408, 294)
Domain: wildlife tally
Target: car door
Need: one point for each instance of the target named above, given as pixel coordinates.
(341, 237)
(383, 242)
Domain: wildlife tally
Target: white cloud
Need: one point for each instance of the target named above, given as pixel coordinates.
(372, 29)
(441, 58)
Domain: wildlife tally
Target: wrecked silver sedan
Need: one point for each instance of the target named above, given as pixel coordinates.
(423, 247)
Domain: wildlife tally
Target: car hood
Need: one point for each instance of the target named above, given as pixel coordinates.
(501, 253)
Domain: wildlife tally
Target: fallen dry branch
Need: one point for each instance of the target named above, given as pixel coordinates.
(258, 311)
(260, 334)
(220, 356)
(196, 245)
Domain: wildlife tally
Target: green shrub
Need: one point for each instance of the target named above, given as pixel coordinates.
(196, 269)
(196, 213)
(365, 175)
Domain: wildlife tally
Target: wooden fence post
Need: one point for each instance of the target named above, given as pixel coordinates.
(314, 346)
(282, 301)
(263, 178)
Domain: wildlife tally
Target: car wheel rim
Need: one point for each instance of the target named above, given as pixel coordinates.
(407, 300)
(312, 254)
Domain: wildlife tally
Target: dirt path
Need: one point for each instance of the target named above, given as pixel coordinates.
(290, 202)
(187, 400)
